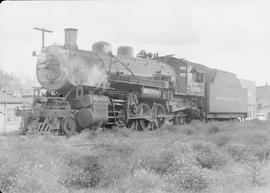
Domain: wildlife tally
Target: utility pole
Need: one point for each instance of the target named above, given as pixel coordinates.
(42, 30)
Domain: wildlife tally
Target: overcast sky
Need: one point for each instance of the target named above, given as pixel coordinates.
(224, 34)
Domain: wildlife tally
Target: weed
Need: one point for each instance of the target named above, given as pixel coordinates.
(161, 164)
(213, 129)
(220, 139)
(190, 178)
(208, 155)
(82, 172)
(230, 157)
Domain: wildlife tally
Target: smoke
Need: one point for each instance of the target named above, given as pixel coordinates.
(88, 72)
(96, 76)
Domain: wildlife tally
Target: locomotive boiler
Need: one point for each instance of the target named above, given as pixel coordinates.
(91, 89)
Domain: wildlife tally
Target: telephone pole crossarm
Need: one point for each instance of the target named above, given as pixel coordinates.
(42, 30)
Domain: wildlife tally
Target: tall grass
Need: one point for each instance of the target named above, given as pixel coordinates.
(217, 157)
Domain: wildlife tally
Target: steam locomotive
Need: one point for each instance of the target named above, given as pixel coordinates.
(92, 89)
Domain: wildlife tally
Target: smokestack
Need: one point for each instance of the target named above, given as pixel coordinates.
(71, 38)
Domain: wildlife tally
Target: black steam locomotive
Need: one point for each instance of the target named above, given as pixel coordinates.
(91, 89)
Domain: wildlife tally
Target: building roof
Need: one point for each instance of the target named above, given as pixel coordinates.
(263, 87)
(5, 98)
(245, 81)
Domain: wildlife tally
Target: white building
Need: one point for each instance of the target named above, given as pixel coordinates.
(263, 102)
(8, 120)
(251, 90)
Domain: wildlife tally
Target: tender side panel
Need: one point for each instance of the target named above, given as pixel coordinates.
(225, 99)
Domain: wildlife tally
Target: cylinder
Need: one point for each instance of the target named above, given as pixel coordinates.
(126, 51)
(93, 110)
(85, 118)
(71, 38)
(102, 47)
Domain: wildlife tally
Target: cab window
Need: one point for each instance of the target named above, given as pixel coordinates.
(197, 76)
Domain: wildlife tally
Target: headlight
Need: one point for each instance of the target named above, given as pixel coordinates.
(42, 56)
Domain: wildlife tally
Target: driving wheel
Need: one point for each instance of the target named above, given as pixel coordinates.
(143, 109)
(69, 126)
(158, 111)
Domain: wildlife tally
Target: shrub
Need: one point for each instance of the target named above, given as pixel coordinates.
(177, 165)
(28, 168)
(220, 139)
(241, 152)
(170, 127)
(82, 172)
(184, 154)
(257, 124)
(257, 139)
(188, 131)
(255, 173)
(116, 161)
(213, 129)
(189, 178)
(208, 155)
(115, 169)
(105, 164)
(185, 129)
(198, 125)
(84, 135)
(237, 151)
(161, 164)
(124, 132)
(141, 182)
(8, 174)
(114, 150)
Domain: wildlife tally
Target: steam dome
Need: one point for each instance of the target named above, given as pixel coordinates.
(125, 51)
(102, 47)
